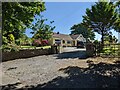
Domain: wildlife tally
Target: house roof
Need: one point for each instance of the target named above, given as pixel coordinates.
(69, 37)
(75, 36)
(62, 36)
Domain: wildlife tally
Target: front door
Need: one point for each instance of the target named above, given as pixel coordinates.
(74, 43)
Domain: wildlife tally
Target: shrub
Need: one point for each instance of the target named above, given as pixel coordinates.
(109, 51)
(44, 42)
(36, 43)
(11, 38)
(4, 40)
(17, 42)
(10, 48)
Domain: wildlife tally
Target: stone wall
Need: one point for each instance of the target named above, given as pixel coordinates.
(26, 53)
(90, 49)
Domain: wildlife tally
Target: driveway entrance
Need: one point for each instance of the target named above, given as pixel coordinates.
(72, 52)
(73, 49)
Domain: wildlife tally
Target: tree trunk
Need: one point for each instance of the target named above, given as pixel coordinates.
(102, 38)
(102, 42)
(41, 41)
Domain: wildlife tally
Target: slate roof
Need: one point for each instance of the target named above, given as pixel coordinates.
(68, 37)
(74, 36)
(62, 36)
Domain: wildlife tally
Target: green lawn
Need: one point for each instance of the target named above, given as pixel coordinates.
(34, 47)
(111, 50)
(108, 48)
(27, 47)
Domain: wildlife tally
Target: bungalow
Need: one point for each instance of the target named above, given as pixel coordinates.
(77, 38)
(66, 40)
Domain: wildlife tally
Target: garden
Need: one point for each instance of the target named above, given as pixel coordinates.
(15, 39)
(34, 66)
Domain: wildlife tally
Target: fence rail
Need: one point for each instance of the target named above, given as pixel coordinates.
(108, 50)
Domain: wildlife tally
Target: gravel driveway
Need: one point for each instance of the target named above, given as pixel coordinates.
(58, 70)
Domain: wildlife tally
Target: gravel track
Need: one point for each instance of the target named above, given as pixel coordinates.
(43, 69)
(36, 70)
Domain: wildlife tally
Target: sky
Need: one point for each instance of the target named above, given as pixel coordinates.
(65, 15)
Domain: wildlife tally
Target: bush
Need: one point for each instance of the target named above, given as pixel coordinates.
(17, 42)
(10, 48)
(109, 51)
(4, 40)
(44, 42)
(36, 43)
(11, 38)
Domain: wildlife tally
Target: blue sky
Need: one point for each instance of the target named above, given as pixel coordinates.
(65, 15)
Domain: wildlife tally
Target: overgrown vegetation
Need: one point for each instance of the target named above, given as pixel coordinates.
(17, 16)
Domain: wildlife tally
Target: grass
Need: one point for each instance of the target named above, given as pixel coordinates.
(113, 47)
(34, 47)
(110, 50)
(44, 47)
(27, 47)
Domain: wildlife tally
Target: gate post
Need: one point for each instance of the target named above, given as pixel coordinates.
(90, 49)
(59, 47)
(54, 50)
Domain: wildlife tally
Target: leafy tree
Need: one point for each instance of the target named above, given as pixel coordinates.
(101, 17)
(117, 23)
(0, 24)
(41, 30)
(96, 42)
(118, 6)
(114, 39)
(0, 17)
(19, 15)
(23, 40)
(109, 38)
(81, 29)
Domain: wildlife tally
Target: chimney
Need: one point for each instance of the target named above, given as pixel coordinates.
(57, 32)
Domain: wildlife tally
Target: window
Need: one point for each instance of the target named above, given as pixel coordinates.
(68, 42)
(57, 41)
(80, 43)
(63, 41)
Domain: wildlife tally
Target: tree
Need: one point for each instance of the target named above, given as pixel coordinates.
(19, 15)
(109, 38)
(96, 42)
(117, 4)
(41, 30)
(23, 40)
(114, 39)
(117, 23)
(101, 18)
(81, 29)
(0, 17)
